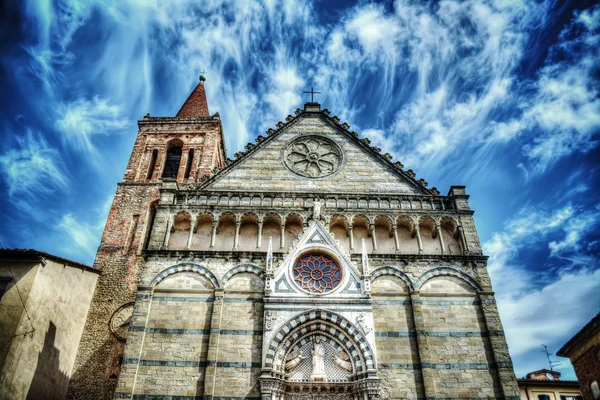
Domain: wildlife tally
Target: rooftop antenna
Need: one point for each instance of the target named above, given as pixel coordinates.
(551, 363)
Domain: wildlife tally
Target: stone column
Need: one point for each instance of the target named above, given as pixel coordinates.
(192, 226)
(423, 347)
(396, 241)
(213, 344)
(236, 238)
(373, 238)
(351, 236)
(463, 240)
(259, 237)
(213, 235)
(498, 346)
(168, 232)
(438, 228)
(282, 238)
(419, 241)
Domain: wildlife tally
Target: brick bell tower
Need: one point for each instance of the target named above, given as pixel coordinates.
(168, 151)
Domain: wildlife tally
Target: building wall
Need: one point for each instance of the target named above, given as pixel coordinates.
(531, 390)
(586, 361)
(23, 275)
(57, 299)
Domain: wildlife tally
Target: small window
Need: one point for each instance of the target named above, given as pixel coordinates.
(543, 397)
(595, 389)
(188, 167)
(172, 162)
(152, 164)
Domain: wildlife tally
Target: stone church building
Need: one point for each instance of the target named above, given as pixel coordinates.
(311, 266)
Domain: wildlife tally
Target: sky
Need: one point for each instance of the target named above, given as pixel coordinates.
(501, 96)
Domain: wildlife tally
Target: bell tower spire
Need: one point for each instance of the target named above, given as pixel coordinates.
(196, 104)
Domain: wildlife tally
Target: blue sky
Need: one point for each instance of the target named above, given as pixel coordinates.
(501, 96)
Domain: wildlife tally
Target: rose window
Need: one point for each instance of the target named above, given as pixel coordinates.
(317, 273)
(313, 156)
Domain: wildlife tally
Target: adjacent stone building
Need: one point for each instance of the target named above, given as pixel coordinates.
(44, 301)
(584, 352)
(309, 267)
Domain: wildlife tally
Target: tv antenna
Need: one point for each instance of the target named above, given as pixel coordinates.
(551, 363)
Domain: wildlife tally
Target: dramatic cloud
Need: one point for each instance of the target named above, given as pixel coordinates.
(81, 119)
(501, 96)
(544, 306)
(33, 168)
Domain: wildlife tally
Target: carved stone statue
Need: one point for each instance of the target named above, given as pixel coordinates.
(294, 362)
(318, 361)
(340, 362)
(362, 323)
(316, 211)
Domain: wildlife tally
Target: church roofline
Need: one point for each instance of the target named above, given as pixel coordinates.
(315, 108)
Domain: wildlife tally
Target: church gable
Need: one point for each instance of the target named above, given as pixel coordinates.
(312, 154)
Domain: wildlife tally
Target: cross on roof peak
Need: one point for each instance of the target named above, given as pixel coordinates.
(312, 94)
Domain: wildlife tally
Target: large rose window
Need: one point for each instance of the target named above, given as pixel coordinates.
(313, 156)
(317, 273)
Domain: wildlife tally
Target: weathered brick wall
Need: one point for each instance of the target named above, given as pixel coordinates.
(119, 257)
(587, 368)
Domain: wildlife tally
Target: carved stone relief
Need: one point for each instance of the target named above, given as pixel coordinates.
(313, 156)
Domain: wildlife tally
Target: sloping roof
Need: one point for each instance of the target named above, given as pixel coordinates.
(36, 255)
(313, 108)
(549, 382)
(589, 329)
(196, 104)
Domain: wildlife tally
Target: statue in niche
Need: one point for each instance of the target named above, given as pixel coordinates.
(316, 211)
(341, 360)
(318, 361)
(294, 361)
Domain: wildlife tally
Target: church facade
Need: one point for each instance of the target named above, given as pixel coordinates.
(311, 266)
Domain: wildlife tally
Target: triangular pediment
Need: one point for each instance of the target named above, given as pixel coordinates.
(343, 163)
(316, 239)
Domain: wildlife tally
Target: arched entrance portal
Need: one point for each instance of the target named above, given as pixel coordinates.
(319, 354)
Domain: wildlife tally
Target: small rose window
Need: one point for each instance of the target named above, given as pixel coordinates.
(317, 273)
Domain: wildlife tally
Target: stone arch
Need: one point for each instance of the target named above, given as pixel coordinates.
(393, 271)
(338, 225)
(320, 321)
(180, 231)
(361, 230)
(238, 269)
(405, 226)
(293, 228)
(447, 271)
(199, 269)
(271, 228)
(225, 232)
(202, 231)
(449, 229)
(428, 233)
(384, 234)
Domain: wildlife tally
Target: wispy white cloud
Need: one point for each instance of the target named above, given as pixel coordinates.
(544, 307)
(80, 120)
(33, 169)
